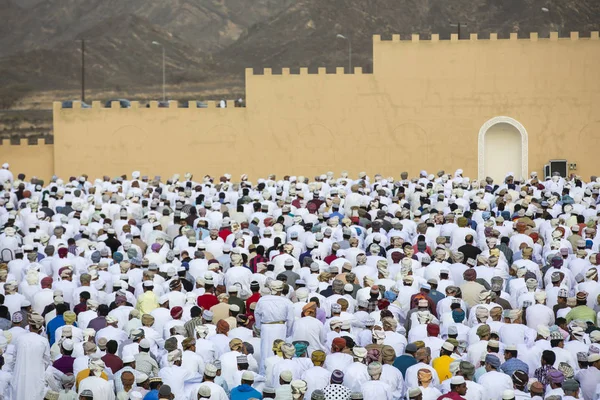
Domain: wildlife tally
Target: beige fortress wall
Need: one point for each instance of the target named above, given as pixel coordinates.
(422, 107)
(32, 160)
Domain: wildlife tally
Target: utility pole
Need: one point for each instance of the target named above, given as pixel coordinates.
(155, 43)
(82, 70)
(340, 36)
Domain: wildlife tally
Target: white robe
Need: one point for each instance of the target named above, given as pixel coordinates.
(101, 388)
(32, 357)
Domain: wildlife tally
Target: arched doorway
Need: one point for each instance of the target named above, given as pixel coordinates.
(502, 148)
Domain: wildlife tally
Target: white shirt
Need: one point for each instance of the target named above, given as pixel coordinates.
(315, 378)
(495, 383)
(539, 314)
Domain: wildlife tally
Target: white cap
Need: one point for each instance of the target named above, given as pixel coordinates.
(508, 395)
(247, 376)
(67, 344)
(128, 359)
(457, 380)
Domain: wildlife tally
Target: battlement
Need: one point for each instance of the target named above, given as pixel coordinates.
(533, 37)
(25, 142)
(153, 105)
(284, 72)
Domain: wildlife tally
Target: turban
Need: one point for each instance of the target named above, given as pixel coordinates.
(298, 388)
(389, 323)
(35, 320)
(236, 344)
(147, 320)
(174, 355)
(374, 369)
(97, 367)
(201, 331)
(481, 313)
(483, 330)
(433, 329)
(555, 376)
(69, 317)
(318, 357)
(424, 317)
(388, 354)
(338, 344)
(566, 369)
(390, 295)
(373, 355)
(46, 282)
(309, 307)
(425, 377)
(176, 312)
(289, 350)
(383, 303)
(531, 283)
(300, 347)
(222, 327)
(470, 275)
(379, 336)
(514, 315)
(458, 315)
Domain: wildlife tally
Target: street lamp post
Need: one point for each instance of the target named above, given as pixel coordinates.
(82, 70)
(163, 68)
(340, 36)
(458, 26)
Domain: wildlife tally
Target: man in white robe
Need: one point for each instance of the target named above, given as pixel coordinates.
(31, 358)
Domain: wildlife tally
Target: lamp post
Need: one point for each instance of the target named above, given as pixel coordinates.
(82, 69)
(546, 10)
(340, 36)
(163, 68)
(458, 26)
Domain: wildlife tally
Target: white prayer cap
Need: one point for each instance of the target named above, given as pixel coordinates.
(5, 165)
(457, 380)
(67, 344)
(508, 395)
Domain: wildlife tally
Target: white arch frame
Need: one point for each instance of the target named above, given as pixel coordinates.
(481, 145)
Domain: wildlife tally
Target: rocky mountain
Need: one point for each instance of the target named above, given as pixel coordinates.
(305, 33)
(207, 25)
(210, 39)
(119, 56)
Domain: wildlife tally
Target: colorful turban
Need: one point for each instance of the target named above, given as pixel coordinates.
(300, 347)
(318, 357)
(388, 354)
(222, 327)
(309, 308)
(338, 344)
(236, 344)
(69, 317)
(147, 320)
(458, 315)
(46, 282)
(425, 377)
(176, 312)
(373, 355)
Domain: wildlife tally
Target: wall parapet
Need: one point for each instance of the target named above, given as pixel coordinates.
(303, 71)
(25, 142)
(473, 37)
(152, 105)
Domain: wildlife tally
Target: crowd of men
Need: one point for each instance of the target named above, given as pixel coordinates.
(335, 288)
